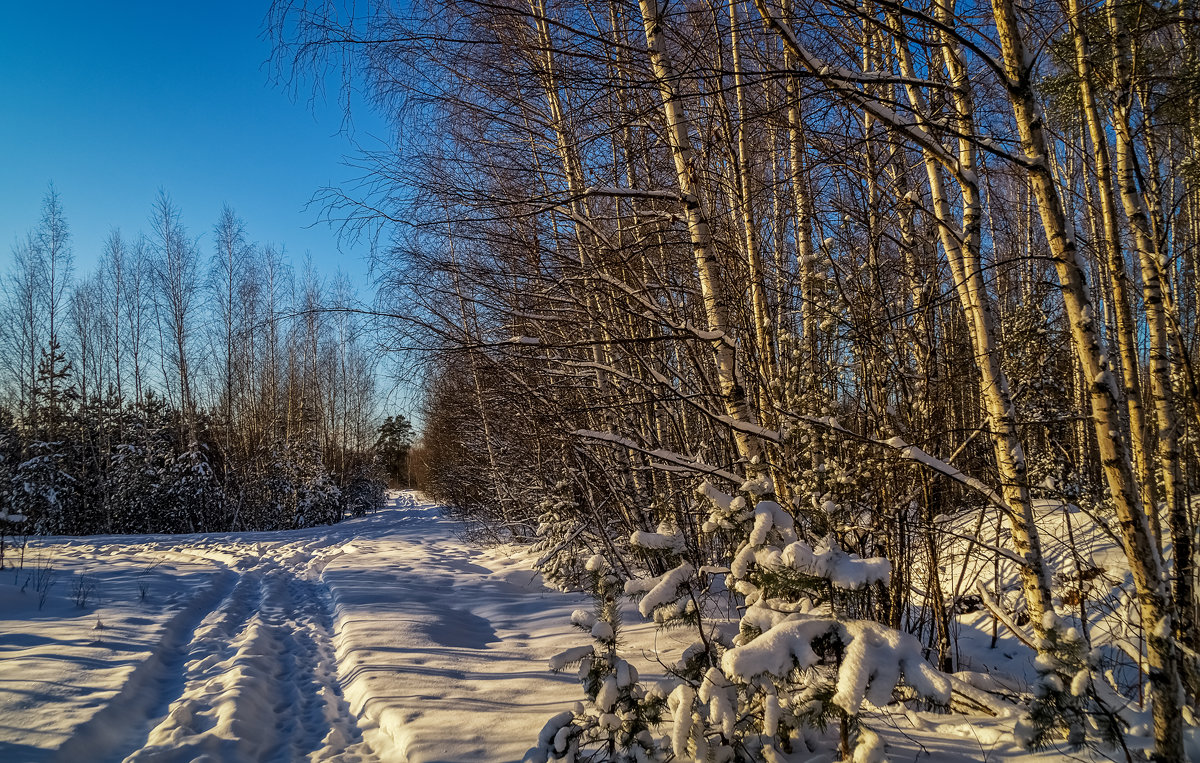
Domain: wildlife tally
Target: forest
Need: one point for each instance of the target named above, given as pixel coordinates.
(825, 320)
(180, 390)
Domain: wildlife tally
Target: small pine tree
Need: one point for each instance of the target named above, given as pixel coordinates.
(798, 663)
(563, 542)
(194, 496)
(615, 721)
(54, 393)
(1068, 693)
(393, 446)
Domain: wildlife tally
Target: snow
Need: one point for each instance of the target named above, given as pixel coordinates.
(665, 589)
(386, 638)
(569, 657)
(550, 734)
(381, 638)
(602, 631)
(875, 658)
(607, 696)
(870, 748)
(844, 570)
(666, 538)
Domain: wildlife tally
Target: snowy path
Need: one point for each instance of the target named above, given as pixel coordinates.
(382, 638)
(256, 680)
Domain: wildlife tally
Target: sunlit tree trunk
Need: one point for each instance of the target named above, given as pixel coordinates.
(1115, 261)
(962, 246)
(1140, 548)
(712, 287)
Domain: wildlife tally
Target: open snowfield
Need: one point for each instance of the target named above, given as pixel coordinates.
(382, 638)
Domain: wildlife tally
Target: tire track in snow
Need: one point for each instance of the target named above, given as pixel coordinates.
(106, 732)
(175, 713)
(257, 680)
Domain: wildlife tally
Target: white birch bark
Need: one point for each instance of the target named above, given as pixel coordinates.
(1142, 553)
(1117, 276)
(1150, 257)
(962, 251)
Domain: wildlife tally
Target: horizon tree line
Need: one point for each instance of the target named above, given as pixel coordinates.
(174, 389)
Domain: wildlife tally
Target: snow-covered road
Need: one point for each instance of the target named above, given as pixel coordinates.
(382, 638)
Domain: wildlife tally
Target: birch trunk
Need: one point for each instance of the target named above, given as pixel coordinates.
(712, 287)
(753, 254)
(802, 208)
(586, 241)
(1117, 275)
(1150, 257)
(1142, 553)
(962, 251)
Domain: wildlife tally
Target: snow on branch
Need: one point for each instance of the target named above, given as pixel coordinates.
(670, 457)
(571, 656)
(634, 193)
(662, 590)
(753, 429)
(875, 657)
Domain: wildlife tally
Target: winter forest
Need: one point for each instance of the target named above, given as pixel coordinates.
(177, 390)
(839, 359)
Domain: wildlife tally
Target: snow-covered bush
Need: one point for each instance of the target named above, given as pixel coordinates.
(194, 498)
(137, 481)
(363, 494)
(318, 500)
(42, 490)
(793, 674)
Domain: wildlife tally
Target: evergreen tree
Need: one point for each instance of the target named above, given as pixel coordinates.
(616, 720)
(12, 523)
(55, 392)
(193, 496)
(395, 441)
(43, 490)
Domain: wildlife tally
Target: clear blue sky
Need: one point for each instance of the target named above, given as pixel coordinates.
(113, 101)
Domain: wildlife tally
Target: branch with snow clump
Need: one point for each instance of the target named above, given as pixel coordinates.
(874, 660)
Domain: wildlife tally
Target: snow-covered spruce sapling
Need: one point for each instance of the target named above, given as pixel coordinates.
(703, 705)
(615, 721)
(560, 540)
(796, 665)
(1070, 696)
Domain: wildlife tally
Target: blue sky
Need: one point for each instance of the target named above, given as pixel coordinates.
(113, 101)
